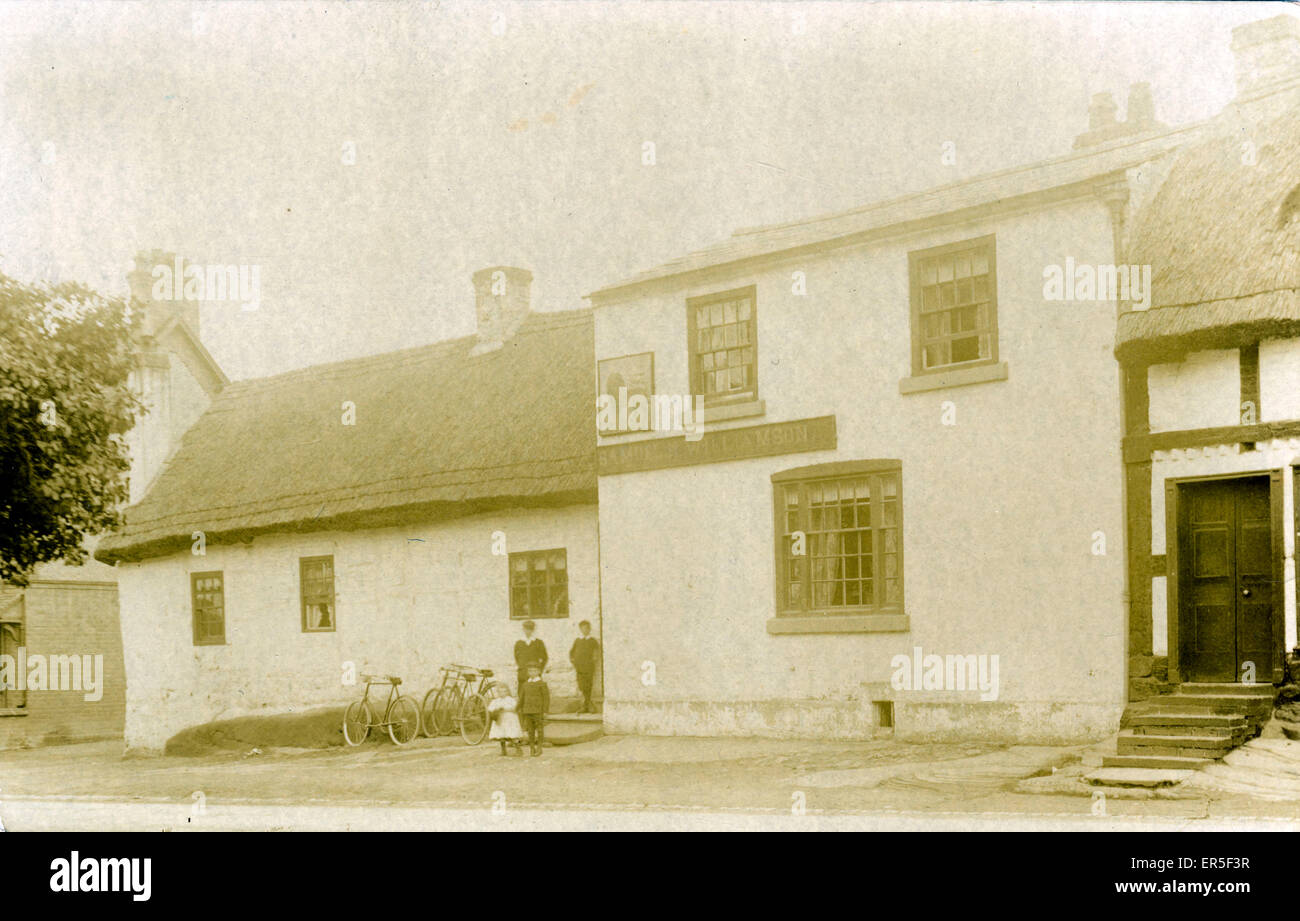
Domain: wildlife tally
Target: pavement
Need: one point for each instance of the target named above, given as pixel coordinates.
(632, 782)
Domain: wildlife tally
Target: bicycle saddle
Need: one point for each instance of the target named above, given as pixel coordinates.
(393, 679)
(485, 672)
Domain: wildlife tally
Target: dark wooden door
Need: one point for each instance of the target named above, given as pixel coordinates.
(1227, 580)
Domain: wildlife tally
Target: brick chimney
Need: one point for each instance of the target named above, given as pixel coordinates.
(1101, 113)
(1267, 52)
(157, 311)
(1141, 111)
(501, 300)
(1103, 126)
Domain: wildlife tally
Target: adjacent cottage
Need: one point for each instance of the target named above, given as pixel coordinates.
(1212, 443)
(388, 514)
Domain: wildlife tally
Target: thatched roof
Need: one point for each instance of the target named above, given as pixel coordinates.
(1223, 241)
(439, 433)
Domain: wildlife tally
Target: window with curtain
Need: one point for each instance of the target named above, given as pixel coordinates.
(539, 584)
(316, 587)
(839, 538)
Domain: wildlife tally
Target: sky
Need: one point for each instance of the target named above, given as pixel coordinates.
(369, 158)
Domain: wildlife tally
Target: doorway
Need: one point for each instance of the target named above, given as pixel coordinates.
(1229, 591)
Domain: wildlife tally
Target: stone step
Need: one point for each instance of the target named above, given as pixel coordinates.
(1180, 746)
(1155, 762)
(590, 718)
(1136, 777)
(1188, 719)
(1123, 748)
(1214, 703)
(1229, 727)
(573, 728)
(1219, 689)
(1195, 725)
(1236, 735)
(572, 732)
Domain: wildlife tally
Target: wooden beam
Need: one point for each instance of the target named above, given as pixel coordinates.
(1138, 448)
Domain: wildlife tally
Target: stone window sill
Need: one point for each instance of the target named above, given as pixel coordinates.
(13, 711)
(720, 412)
(840, 623)
(958, 377)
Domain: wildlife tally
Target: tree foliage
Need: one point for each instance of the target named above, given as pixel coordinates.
(66, 405)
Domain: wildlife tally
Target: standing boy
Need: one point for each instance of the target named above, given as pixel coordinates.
(534, 701)
(585, 656)
(529, 651)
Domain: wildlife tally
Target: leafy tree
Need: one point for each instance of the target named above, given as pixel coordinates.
(65, 408)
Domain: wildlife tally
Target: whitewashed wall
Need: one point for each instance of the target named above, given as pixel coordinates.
(175, 400)
(408, 599)
(1201, 392)
(999, 510)
(1279, 380)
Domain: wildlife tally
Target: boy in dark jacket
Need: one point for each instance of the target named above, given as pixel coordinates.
(534, 701)
(584, 655)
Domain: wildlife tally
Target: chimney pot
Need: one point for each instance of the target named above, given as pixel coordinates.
(502, 296)
(156, 312)
(1266, 51)
(1101, 112)
(1103, 127)
(1141, 107)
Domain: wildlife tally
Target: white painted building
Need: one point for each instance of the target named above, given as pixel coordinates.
(925, 496)
(384, 515)
(973, 547)
(914, 352)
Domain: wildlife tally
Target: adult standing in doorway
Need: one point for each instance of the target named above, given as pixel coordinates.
(529, 651)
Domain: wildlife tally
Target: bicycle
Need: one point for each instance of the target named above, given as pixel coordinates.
(473, 717)
(457, 703)
(439, 708)
(401, 715)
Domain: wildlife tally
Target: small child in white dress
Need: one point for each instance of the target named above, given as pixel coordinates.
(505, 720)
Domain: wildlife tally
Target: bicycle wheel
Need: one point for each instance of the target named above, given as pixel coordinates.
(427, 724)
(356, 722)
(403, 719)
(474, 719)
(445, 707)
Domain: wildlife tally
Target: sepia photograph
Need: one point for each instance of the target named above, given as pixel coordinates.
(649, 416)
